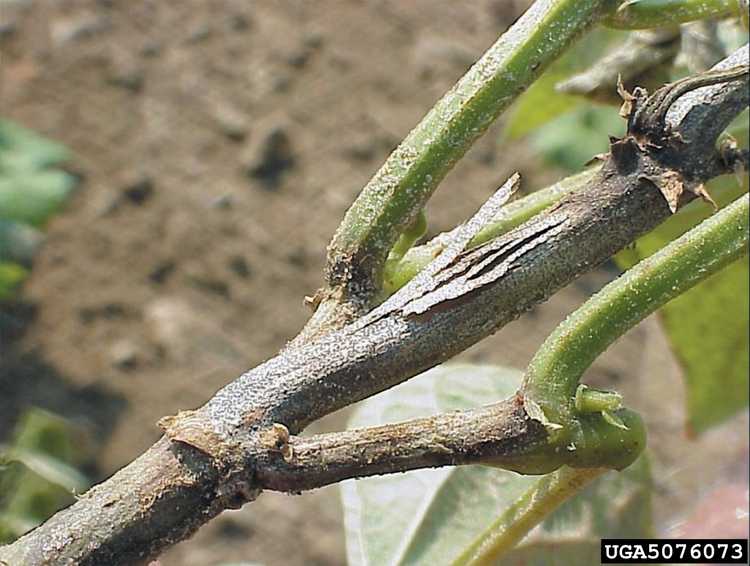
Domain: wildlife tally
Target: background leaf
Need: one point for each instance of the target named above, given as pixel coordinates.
(30, 192)
(429, 516)
(11, 275)
(33, 196)
(708, 330)
(22, 149)
(18, 242)
(541, 103)
(401, 519)
(571, 140)
(37, 472)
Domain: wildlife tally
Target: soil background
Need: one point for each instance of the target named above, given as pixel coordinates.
(219, 144)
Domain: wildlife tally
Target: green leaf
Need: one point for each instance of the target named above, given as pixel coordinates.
(29, 193)
(11, 275)
(21, 148)
(708, 330)
(707, 327)
(429, 516)
(47, 467)
(732, 35)
(541, 103)
(18, 242)
(37, 473)
(13, 526)
(401, 519)
(44, 443)
(33, 197)
(572, 139)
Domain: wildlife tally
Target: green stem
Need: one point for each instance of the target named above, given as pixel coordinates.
(399, 273)
(546, 495)
(552, 376)
(589, 400)
(409, 237)
(399, 190)
(640, 14)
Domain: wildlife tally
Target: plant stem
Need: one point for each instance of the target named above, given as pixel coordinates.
(398, 274)
(546, 495)
(399, 190)
(208, 461)
(552, 376)
(640, 14)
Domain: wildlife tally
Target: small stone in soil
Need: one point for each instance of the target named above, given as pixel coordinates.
(124, 354)
(239, 266)
(139, 191)
(161, 272)
(271, 159)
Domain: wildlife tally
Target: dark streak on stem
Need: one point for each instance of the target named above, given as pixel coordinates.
(223, 453)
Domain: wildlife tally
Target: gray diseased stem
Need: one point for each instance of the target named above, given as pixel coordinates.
(498, 431)
(216, 454)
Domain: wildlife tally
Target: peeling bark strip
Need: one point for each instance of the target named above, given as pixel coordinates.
(222, 454)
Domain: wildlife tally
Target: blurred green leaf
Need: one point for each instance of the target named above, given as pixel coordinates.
(732, 34)
(47, 467)
(21, 148)
(708, 330)
(11, 275)
(541, 103)
(30, 189)
(33, 197)
(37, 473)
(40, 430)
(740, 130)
(30, 192)
(12, 526)
(429, 516)
(572, 139)
(18, 242)
(707, 327)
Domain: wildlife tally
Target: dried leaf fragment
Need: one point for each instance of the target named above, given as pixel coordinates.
(536, 413)
(672, 186)
(276, 438)
(627, 99)
(700, 190)
(597, 157)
